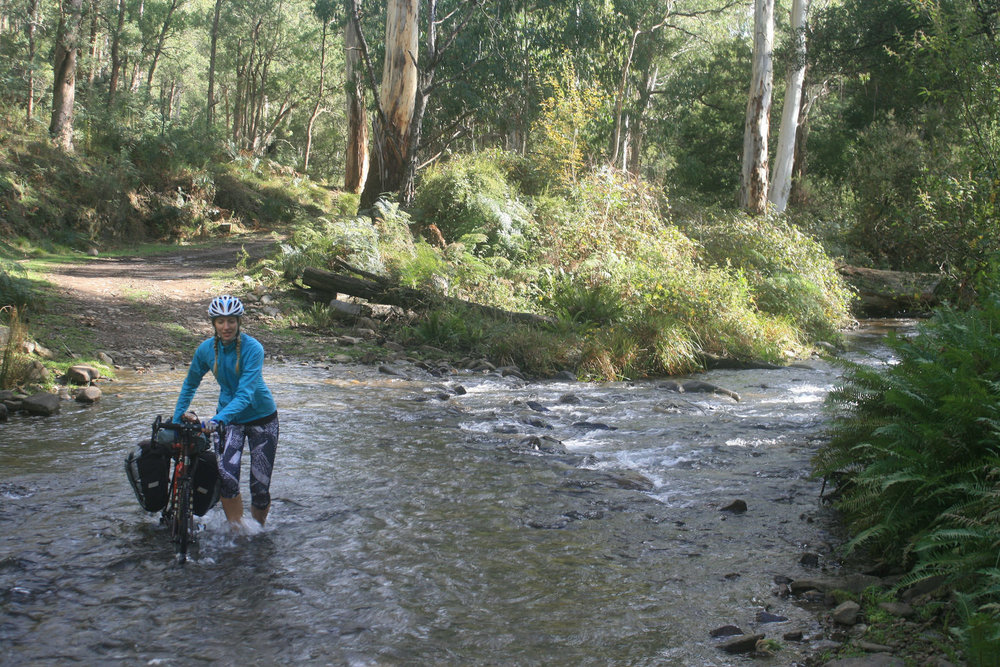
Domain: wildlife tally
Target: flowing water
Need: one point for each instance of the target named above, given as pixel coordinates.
(412, 525)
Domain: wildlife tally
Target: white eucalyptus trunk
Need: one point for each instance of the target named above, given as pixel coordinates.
(784, 156)
(397, 95)
(753, 181)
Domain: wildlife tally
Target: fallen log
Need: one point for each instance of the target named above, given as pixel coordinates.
(892, 293)
(379, 290)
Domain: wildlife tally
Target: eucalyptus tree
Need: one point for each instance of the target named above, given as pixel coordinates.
(23, 39)
(408, 82)
(67, 50)
(356, 159)
(753, 180)
(323, 11)
(781, 180)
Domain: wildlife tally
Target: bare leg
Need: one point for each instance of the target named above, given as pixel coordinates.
(259, 514)
(233, 507)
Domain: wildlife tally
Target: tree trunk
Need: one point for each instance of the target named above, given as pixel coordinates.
(397, 97)
(784, 156)
(31, 29)
(67, 49)
(95, 15)
(616, 138)
(319, 96)
(381, 291)
(753, 181)
(210, 105)
(160, 41)
(356, 167)
(116, 59)
(639, 133)
(799, 195)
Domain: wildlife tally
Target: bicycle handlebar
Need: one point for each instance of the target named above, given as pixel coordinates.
(185, 427)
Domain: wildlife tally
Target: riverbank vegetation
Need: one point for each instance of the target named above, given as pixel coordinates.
(914, 450)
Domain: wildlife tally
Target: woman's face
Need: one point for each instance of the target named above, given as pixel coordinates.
(226, 328)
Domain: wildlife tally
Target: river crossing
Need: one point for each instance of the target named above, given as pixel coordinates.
(413, 524)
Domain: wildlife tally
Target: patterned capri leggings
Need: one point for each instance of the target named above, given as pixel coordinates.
(263, 442)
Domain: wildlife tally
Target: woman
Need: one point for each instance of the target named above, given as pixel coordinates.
(246, 409)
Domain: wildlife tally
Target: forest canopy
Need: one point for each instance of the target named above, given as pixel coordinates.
(895, 138)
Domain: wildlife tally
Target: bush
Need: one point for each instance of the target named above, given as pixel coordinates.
(917, 447)
(789, 273)
(15, 289)
(14, 364)
(469, 197)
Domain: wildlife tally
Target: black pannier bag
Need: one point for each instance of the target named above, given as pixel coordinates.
(207, 483)
(148, 470)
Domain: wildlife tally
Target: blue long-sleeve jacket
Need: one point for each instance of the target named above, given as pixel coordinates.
(244, 397)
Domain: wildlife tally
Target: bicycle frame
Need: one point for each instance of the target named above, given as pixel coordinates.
(178, 513)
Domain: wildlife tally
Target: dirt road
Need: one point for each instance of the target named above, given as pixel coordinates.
(142, 310)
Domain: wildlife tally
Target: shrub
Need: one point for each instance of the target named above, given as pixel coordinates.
(788, 273)
(14, 363)
(917, 445)
(15, 289)
(470, 197)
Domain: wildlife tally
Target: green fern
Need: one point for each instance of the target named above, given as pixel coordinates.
(916, 447)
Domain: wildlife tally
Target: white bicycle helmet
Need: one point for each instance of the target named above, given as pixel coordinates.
(225, 306)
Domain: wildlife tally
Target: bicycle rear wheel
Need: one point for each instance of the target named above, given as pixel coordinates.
(183, 524)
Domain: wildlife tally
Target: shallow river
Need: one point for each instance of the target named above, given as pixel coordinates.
(411, 526)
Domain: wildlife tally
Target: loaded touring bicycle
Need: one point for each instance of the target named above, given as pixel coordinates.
(175, 473)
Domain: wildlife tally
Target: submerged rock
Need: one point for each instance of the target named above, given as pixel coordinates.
(698, 387)
(741, 644)
(735, 507)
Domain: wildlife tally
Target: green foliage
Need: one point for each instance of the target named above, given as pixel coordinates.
(561, 127)
(458, 330)
(980, 634)
(917, 445)
(583, 304)
(469, 198)
(317, 243)
(319, 316)
(14, 364)
(15, 289)
(789, 273)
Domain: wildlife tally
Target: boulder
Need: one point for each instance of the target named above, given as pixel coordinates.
(37, 373)
(892, 293)
(900, 609)
(81, 374)
(726, 631)
(88, 395)
(43, 352)
(345, 310)
(853, 583)
(3, 412)
(846, 613)
(736, 507)
(44, 404)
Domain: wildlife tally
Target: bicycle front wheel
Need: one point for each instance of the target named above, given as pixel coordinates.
(183, 526)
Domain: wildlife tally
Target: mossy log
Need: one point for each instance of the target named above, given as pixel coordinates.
(892, 293)
(375, 289)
